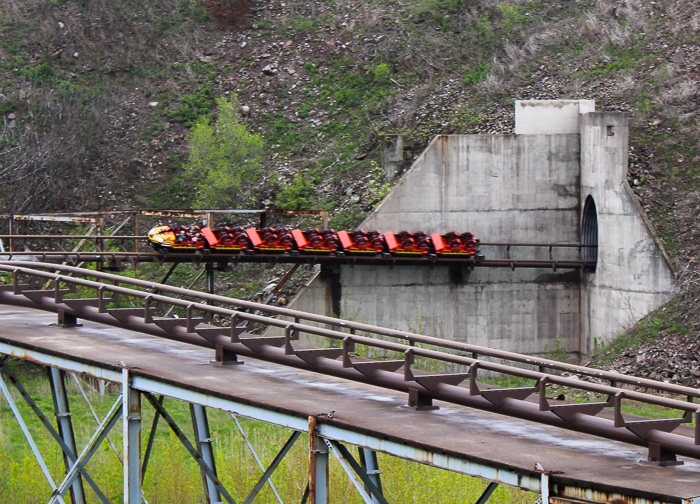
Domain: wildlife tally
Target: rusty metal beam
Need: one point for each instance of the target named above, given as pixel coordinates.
(391, 261)
(355, 327)
(325, 360)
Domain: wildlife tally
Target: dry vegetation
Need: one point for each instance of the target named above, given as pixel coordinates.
(98, 98)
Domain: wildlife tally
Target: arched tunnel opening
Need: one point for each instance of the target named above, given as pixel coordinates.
(589, 233)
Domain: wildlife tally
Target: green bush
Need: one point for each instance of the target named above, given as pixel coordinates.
(42, 73)
(224, 158)
(297, 196)
(382, 72)
(193, 107)
(475, 74)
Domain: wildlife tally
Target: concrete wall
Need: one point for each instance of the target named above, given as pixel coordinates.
(550, 117)
(529, 192)
(633, 276)
(514, 188)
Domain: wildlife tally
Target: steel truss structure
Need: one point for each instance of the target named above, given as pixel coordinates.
(325, 439)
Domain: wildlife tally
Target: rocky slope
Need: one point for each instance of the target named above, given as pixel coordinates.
(98, 98)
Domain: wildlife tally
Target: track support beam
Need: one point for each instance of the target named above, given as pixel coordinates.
(318, 466)
(487, 493)
(131, 424)
(203, 442)
(57, 379)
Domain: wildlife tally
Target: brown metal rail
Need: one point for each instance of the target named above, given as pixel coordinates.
(233, 340)
(114, 259)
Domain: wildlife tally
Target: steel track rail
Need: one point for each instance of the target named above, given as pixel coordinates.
(225, 259)
(411, 339)
(232, 339)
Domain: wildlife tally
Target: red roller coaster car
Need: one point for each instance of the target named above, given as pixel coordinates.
(293, 241)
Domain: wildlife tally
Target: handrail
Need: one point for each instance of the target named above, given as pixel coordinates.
(412, 338)
(509, 401)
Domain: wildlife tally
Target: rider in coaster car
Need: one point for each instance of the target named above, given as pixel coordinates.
(181, 236)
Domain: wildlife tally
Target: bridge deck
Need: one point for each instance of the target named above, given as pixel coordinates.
(475, 436)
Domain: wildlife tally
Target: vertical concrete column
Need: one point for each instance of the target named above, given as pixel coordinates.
(131, 435)
(203, 441)
(633, 275)
(318, 466)
(57, 378)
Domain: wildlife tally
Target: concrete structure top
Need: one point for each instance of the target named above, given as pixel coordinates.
(550, 117)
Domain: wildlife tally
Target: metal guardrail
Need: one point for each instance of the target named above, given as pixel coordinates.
(133, 254)
(229, 342)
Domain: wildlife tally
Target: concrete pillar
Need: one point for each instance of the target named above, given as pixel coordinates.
(633, 275)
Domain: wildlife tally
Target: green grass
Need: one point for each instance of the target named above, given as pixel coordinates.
(670, 318)
(173, 477)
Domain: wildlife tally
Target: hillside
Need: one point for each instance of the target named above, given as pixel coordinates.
(99, 99)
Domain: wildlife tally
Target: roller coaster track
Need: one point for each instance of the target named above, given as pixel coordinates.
(231, 327)
(115, 252)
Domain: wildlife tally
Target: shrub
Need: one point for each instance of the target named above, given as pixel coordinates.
(297, 196)
(224, 158)
(192, 107)
(382, 72)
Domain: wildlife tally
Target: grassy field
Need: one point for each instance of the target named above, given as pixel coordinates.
(174, 478)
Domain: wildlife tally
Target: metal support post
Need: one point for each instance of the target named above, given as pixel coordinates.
(544, 488)
(136, 242)
(131, 425)
(318, 466)
(203, 442)
(487, 493)
(10, 225)
(210, 280)
(30, 440)
(356, 474)
(57, 379)
(188, 446)
(370, 464)
(255, 456)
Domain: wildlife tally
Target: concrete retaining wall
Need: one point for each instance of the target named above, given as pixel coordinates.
(514, 188)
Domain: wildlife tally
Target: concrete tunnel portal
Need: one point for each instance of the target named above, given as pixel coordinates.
(561, 178)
